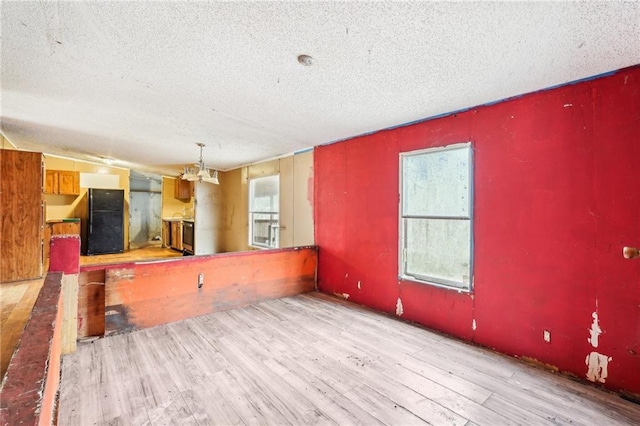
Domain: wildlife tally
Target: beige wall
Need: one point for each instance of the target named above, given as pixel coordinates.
(234, 211)
(208, 218)
(296, 198)
(303, 187)
(172, 207)
(63, 206)
(6, 143)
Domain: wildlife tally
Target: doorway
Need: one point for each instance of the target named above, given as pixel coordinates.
(145, 210)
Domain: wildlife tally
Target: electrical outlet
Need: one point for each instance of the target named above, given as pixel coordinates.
(547, 336)
(200, 280)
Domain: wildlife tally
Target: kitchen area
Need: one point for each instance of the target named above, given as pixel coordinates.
(178, 222)
(177, 234)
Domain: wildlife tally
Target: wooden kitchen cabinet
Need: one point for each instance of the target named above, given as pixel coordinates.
(22, 223)
(166, 233)
(172, 234)
(64, 182)
(183, 189)
(59, 227)
(176, 235)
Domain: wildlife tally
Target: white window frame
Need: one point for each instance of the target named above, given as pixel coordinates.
(273, 238)
(464, 285)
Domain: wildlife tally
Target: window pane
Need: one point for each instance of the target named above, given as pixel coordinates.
(436, 183)
(440, 249)
(264, 194)
(265, 230)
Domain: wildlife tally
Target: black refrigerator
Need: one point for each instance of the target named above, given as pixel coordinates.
(104, 230)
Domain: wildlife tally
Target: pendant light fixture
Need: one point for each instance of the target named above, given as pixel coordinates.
(200, 173)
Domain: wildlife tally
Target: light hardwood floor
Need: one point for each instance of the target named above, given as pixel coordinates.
(312, 359)
(17, 298)
(16, 302)
(147, 252)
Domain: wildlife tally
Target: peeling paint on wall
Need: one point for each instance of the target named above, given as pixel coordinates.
(399, 310)
(597, 363)
(594, 331)
(359, 286)
(343, 295)
(597, 366)
(473, 325)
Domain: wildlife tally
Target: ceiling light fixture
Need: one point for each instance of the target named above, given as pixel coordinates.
(200, 173)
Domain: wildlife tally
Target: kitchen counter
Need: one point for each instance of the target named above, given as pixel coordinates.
(64, 220)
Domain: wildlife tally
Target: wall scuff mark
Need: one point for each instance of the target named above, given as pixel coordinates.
(399, 310)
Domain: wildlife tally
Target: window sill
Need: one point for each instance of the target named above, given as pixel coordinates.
(408, 278)
(252, 247)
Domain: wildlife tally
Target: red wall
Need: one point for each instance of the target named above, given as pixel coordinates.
(556, 176)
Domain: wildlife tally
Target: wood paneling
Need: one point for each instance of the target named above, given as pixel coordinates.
(141, 295)
(21, 231)
(296, 201)
(311, 359)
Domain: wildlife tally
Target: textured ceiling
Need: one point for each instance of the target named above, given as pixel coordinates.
(142, 82)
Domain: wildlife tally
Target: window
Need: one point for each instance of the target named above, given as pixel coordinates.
(435, 216)
(264, 204)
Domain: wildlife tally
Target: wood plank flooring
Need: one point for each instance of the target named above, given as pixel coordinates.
(313, 359)
(16, 303)
(147, 252)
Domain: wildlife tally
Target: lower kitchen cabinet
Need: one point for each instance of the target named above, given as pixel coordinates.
(172, 234)
(176, 235)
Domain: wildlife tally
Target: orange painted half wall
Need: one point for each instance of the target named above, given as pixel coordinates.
(141, 295)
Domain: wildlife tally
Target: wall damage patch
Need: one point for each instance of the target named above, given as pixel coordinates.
(597, 363)
(399, 309)
(597, 367)
(594, 331)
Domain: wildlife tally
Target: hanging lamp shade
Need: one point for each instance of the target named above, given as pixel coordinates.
(200, 173)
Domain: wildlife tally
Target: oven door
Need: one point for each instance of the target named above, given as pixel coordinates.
(187, 238)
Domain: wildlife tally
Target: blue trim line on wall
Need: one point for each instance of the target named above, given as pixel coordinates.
(302, 151)
(446, 114)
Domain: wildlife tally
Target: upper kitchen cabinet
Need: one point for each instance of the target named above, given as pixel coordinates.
(22, 215)
(62, 182)
(183, 189)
